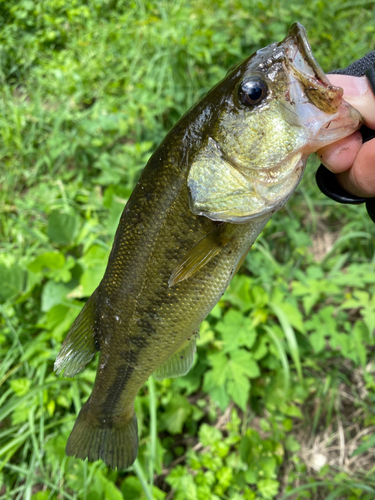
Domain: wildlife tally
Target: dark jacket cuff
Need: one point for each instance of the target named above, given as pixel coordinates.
(326, 180)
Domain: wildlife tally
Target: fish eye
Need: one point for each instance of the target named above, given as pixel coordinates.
(252, 92)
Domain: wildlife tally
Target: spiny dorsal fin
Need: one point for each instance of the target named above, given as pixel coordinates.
(179, 363)
(79, 347)
(198, 256)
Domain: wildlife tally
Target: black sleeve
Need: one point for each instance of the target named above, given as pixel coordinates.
(325, 179)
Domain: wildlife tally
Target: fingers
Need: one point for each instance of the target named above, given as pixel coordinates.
(352, 161)
(360, 179)
(340, 155)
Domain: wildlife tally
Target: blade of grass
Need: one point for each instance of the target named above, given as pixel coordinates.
(351, 236)
(153, 429)
(364, 446)
(318, 484)
(42, 375)
(142, 479)
(336, 492)
(282, 355)
(14, 402)
(290, 337)
(35, 443)
(25, 472)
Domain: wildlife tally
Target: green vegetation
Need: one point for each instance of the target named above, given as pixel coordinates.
(280, 403)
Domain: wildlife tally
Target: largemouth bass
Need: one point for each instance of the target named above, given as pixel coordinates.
(204, 196)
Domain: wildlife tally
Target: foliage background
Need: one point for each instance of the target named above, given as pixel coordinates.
(280, 402)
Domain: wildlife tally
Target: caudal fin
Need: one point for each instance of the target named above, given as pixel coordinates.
(115, 444)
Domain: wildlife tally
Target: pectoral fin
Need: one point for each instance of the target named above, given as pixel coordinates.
(179, 363)
(198, 256)
(79, 347)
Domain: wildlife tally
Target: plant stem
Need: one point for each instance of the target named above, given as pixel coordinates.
(141, 476)
(152, 406)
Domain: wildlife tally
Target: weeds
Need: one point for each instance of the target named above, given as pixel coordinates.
(285, 363)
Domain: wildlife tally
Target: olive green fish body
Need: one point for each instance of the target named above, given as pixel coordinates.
(203, 198)
(139, 320)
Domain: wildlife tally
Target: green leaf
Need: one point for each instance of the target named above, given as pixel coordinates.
(261, 349)
(231, 375)
(206, 334)
(53, 293)
(291, 410)
(55, 447)
(242, 361)
(366, 445)
(109, 488)
(20, 386)
(317, 340)
(12, 280)
(241, 366)
(95, 255)
(62, 228)
(238, 292)
(292, 444)
(91, 278)
(183, 483)
(239, 390)
(209, 435)
(48, 261)
(236, 330)
(217, 391)
(245, 448)
(131, 488)
(268, 488)
(42, 495)
(219, 363)
(268, 466)
(176, 414)
(293, 314)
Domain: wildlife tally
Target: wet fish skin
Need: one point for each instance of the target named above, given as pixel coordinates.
(201, 201)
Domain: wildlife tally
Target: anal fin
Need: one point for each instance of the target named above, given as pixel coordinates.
(179, 363)
(201, 253)
(79, 347)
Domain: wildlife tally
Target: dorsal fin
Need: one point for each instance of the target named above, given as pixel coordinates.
(80, 346)
(201, 253)
(180, 362)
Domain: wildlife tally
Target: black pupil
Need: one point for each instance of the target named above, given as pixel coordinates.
(255, 93)
(252, 92)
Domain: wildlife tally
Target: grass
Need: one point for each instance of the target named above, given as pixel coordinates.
(88, 90)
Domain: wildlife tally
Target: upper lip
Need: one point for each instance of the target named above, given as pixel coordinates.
(298, 33)
(303, 65)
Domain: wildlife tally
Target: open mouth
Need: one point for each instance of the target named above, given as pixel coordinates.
(302, 63)
(298, 35)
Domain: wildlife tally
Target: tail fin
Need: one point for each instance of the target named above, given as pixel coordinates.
(115, 444)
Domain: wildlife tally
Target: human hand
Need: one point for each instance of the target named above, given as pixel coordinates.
(351, 161)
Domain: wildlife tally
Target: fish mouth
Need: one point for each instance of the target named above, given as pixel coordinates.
(298, 35)
(303, 65)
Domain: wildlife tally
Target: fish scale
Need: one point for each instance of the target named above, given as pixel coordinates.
(202, 199)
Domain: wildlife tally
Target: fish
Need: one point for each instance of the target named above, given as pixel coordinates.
(204, 196)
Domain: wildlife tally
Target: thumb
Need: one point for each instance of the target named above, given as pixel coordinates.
(358, 93)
